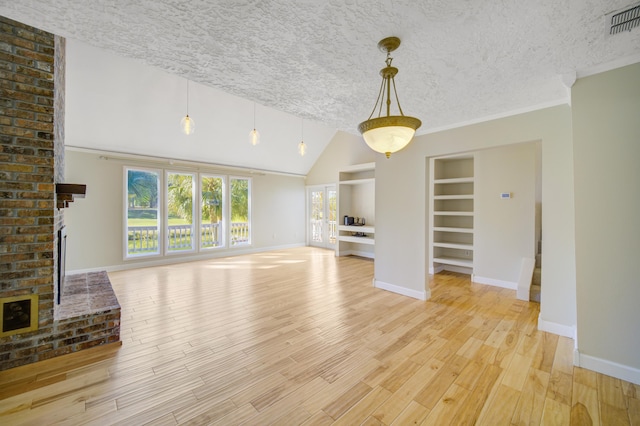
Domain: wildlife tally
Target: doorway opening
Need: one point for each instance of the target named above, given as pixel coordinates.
(322, 228)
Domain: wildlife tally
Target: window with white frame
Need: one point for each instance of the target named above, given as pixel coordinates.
(142, 218)
(195, 212)
(240, 210)
(180, 230)
(212, 210)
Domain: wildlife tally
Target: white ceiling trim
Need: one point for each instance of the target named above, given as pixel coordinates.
(565, 101)
(618, 63)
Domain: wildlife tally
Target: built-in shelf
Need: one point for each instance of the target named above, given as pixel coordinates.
(448, 229)
(455, 261)
(357, 181)
(358, 240)
(453, 180)
(454, 245)
(356, 199)
(452, 209)
(453, 213)
(454, 197)
(353, 228)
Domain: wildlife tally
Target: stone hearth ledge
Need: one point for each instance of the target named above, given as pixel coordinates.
(86, 294)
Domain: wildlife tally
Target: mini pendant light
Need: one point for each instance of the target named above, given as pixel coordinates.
(187, 124)
(302, 148)
(254, 136)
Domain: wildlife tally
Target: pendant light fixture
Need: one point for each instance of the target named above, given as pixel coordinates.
(389, 133)
(302, 148)
(187, 124)
(254, 136)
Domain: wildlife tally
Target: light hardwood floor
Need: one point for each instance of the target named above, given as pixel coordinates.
(301, 337)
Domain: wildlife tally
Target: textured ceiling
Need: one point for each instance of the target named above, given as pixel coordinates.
(459, 61)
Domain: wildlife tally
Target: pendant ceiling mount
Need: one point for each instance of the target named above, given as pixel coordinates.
(389, 44)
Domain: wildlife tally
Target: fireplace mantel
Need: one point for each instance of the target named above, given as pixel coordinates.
(67, 192)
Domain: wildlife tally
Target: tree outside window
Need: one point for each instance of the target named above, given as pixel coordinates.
(211, 215)
(240, 211)
(180, 194)
(183, 229)
(143, 224)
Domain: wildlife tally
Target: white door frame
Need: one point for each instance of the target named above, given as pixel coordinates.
(324, 239)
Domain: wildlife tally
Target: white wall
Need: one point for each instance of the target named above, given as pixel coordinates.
(401, 222)
(504, 229)
(606, 108)
(362, 203)
(344, 150)
(120, 104)
(278, 214)
(95, 224)
(402, 194)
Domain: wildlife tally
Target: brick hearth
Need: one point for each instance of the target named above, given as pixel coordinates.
(86, 294)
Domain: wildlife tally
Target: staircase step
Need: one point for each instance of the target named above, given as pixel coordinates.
(537, 277)
(534, 293)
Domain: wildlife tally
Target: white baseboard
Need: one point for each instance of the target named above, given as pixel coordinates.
(610, 368)
(170, 260)
(555, 328)
(420, 295)
(367, 254)
(452, 268)
(458, 269)
(433, 271)
(497, 283)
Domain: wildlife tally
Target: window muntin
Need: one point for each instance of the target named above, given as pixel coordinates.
(212, 211)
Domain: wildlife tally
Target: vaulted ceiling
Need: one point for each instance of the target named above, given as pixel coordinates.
(459, 61)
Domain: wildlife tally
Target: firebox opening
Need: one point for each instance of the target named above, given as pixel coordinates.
(62, 260)
(19, 314)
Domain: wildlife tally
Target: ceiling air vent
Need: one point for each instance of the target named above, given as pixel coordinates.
(623, 20)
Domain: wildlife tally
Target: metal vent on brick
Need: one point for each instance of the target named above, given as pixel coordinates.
(623, 20)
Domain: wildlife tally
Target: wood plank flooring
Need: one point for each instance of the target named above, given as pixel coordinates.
(301, 337)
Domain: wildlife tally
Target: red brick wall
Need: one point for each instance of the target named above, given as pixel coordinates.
(26, 179)
(31, 162)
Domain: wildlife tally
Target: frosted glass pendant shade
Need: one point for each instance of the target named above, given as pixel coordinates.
(254, 137)
(188, 125)
(302, 148)
(389, 134)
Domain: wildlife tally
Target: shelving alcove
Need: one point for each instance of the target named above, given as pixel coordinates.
(451, 218)
(356, 198)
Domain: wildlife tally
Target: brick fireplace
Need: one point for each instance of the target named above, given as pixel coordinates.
(34, 326)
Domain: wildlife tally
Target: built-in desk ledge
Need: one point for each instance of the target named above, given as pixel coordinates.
(67, 192)
(87, 294)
